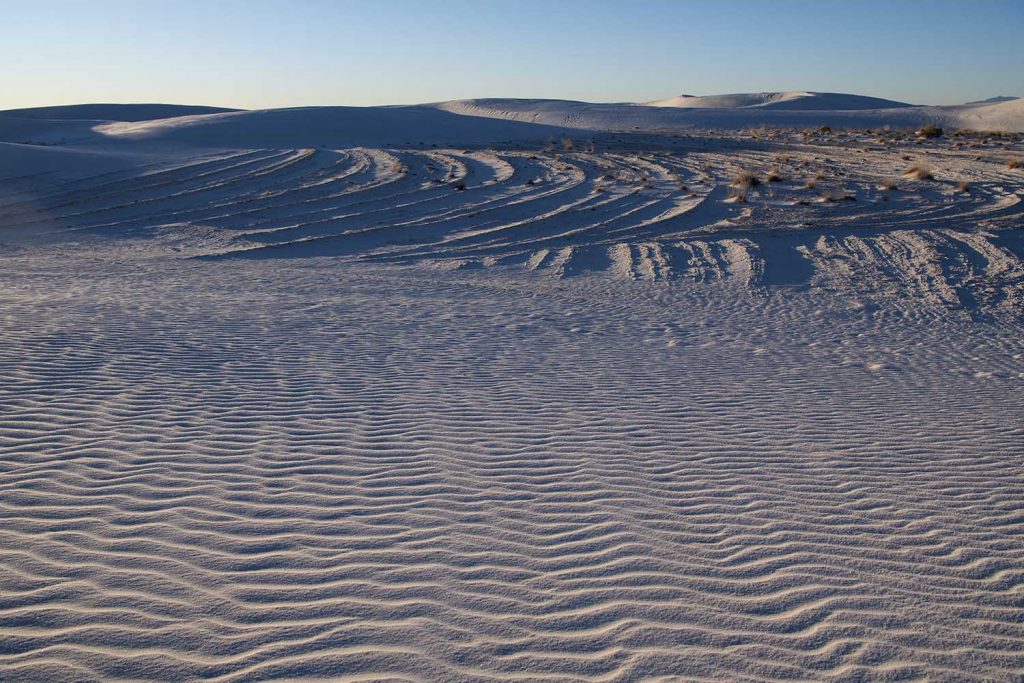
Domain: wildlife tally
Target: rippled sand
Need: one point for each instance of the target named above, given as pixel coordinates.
(316, 413)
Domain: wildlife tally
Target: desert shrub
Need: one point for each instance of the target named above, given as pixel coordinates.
(929, 131)
(964, 187)
(919, 172)
(738, 194)
(746, 180)
(1014, 164)
(825, 129)
(773, 176)
(888, 185)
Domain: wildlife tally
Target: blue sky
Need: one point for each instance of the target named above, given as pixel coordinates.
(263, 53)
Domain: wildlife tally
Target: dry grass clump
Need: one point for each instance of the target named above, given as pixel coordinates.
(919, 172)
(812, 182)
(745, 181)
(929, 131)
(1014, 164)
(738, 195)
(964, 187)
(774, 176)
(888, 186)
(832, 197)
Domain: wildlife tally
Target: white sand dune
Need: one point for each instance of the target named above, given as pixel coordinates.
(111, 112)
(788, 100)
(746, 111)
(658, 215)
(281, 404)
(329, 126)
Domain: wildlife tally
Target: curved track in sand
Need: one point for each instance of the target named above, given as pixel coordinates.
(656, 215)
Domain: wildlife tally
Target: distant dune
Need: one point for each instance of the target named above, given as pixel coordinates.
(995, 100)
(111, 112)
(481, 121)
(330, 126)
(741, 111)
(790, 101)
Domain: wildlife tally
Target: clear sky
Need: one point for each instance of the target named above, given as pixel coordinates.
(270, 53)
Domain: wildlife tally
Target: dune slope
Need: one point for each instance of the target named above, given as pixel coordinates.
(277, 406)
(790, 100)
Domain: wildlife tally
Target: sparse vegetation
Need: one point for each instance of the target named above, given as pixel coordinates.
(888, 185)
(964, 187)
(745, 181)
(831, 197)
(919, 172)
(738, 195)
(774, 176)
(1014, 164)
(929, 131)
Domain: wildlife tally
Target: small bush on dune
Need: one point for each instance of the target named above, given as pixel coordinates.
(919, 172)
(1014, 164)
(738, 195)
(774, 176)
(929, 131)
(746, 180)
(831, 197)
(812, 182)
(888, 185)
(964, 187)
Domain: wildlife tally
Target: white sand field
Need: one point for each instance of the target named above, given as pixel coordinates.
(410, 394)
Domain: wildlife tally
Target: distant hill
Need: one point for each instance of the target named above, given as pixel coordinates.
(330, 126)
(995, 100)
(111, 112)
(744, 111)
(789, 101)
